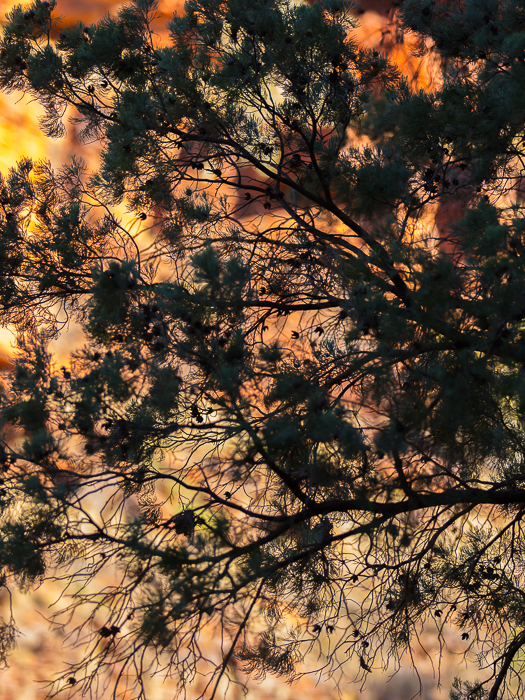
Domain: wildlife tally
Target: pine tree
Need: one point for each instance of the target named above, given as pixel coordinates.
(299, 408)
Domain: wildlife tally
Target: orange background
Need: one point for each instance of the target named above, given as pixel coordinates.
(42, 651)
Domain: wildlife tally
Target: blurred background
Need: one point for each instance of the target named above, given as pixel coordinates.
(42, 651)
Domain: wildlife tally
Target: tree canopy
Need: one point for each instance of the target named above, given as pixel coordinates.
(297, 414)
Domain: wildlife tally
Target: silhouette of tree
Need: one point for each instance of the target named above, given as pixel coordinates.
(299, 409)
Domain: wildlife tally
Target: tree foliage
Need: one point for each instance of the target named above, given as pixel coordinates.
(299, 408)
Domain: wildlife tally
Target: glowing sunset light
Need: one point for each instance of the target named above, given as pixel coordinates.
(42, 648)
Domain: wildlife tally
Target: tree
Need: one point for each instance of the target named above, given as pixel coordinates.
(298, 410)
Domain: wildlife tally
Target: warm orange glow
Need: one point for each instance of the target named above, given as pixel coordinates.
(378, 30)
(42, 651)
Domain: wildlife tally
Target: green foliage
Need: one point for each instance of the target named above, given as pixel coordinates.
(289, 385)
